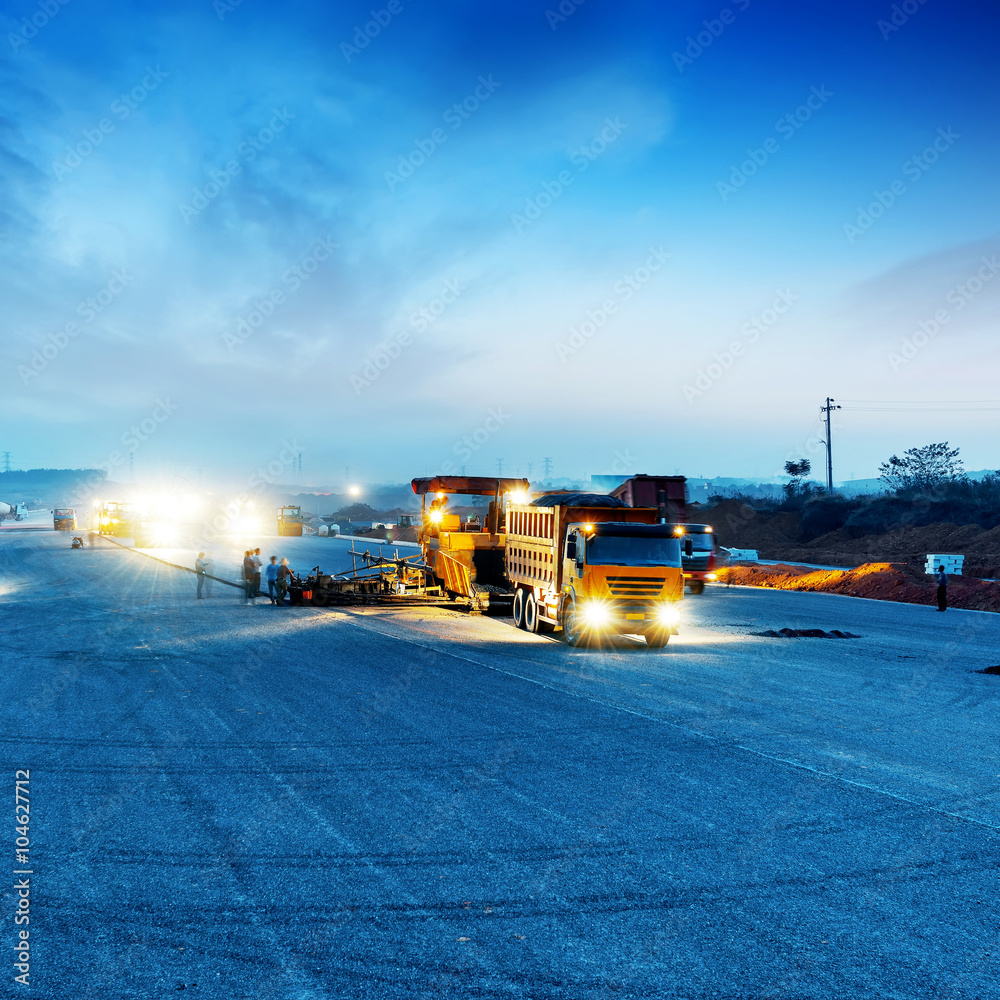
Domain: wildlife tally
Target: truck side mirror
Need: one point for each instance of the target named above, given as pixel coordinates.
(571, 547)
(688, 547)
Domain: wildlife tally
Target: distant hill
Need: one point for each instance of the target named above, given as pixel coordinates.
(48, 486)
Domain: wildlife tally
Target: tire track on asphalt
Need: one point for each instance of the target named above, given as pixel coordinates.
(706, 737)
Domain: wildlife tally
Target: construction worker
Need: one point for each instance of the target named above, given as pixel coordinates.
(248, 572)
(255, 556)
(284, 579)
(272, 578)
(200, 569)
(942, 591)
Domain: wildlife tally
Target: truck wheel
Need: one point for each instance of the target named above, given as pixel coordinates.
(697, 586)
(321, 598)
(657, 639)
(531, 613)
(519, 607)
(571, 625)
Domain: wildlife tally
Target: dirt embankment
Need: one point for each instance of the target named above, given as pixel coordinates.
(880, 581)
(778, 536)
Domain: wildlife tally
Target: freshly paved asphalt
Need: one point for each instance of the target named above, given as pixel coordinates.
(303, 803)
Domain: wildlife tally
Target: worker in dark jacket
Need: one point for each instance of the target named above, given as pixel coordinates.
(942, 591)
(249, 570)
(285, 574)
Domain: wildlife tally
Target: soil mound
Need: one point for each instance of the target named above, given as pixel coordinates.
(881, 581)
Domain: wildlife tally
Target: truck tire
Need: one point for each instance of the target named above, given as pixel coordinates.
(657, 638)
(519, 607)
(531, 613)
(697, 586)
(571, 625)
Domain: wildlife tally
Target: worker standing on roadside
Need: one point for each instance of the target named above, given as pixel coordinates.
(248, 571)
(272, 578)
(942, 591)
(255, 556)
(284, 578)
(200, 570)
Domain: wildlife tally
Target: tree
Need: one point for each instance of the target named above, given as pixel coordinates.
(922, 468)
(798, 471)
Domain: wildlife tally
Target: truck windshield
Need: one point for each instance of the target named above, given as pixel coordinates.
(624, 550)
(701, 542)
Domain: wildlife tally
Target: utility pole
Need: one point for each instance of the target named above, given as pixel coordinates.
(131, 466)
(829, 447)
(500, 468)
(6, 461)
(548, 466)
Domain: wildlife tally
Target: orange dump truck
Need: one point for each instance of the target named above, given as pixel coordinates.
(589, 564)
(466, 557)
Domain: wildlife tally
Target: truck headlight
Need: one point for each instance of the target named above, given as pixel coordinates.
(595, 614)
(667, 614)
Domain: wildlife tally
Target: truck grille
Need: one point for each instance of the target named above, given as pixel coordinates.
(636, 586)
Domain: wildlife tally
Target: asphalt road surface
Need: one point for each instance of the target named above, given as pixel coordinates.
(250, 801)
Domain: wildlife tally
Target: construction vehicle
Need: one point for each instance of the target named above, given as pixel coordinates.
(289, 520)
(590, 565)
(467, 559)
(668, 494)
(64, 519)
(698, 555)
(112, 517)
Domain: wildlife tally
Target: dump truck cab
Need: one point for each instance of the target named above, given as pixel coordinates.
(698, 554)
(64, 519)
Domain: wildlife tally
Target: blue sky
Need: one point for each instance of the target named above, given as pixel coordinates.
(258, 260)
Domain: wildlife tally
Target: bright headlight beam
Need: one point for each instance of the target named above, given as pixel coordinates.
(595, 614)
